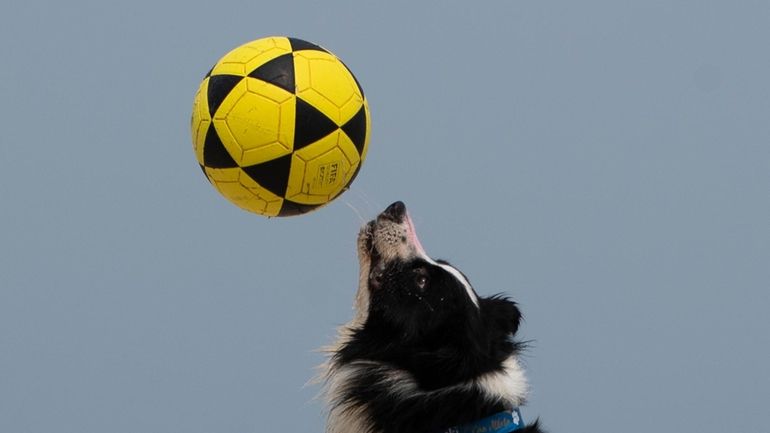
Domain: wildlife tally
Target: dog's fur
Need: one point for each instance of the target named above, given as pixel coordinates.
(424, 352)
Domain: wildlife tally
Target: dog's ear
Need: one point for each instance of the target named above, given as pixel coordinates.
(500, 314)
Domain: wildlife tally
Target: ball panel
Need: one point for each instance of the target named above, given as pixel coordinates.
(200, 121)
(321, 170)
(361, 151)
(299, 44)
(256, 122)
(249, 56)
(222, 174)
(311, 125)
(219, 88)
(278, 72)
(368, 131)
(358, 85)
(324, 82)
(356, 129)
(240, 189)
(351, 153)
(272, 175)
(352, 178)
(214, 153)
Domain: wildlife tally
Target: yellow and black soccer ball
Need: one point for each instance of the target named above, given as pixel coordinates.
(280, 126)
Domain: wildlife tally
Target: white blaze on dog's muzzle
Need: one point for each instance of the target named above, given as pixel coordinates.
(394, 237)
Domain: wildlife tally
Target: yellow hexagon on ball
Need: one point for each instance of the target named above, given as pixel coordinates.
(280, 126)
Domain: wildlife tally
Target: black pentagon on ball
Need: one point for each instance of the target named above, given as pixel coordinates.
(278, 72)
(310, 125)
(272, 175)
(299, 45)
(355, 128)
(215, 155)
(218, 89)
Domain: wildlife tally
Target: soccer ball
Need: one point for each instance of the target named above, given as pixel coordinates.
(280, 126)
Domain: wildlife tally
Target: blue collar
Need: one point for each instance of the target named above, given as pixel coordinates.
(502, 422)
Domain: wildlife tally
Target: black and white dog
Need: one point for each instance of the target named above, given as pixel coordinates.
(424, 353)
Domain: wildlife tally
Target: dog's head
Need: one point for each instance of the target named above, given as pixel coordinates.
(424, 351)
(413, 303)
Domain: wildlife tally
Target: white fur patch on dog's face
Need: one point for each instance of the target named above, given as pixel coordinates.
(392, 241)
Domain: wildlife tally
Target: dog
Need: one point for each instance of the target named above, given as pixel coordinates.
(424, 352)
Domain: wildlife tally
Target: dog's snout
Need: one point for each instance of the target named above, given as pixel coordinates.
(395, 212)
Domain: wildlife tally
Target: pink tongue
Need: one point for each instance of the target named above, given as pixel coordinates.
(412, 235)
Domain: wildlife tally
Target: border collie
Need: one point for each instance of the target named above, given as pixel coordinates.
(424, 353)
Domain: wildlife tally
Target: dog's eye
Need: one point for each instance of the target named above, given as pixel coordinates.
(421, 281)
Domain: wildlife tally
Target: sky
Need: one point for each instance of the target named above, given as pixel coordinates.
(605, 163)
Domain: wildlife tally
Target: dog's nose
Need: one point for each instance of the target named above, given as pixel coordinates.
(395, 212)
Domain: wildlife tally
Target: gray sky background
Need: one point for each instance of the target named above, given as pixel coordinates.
(607, 163)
